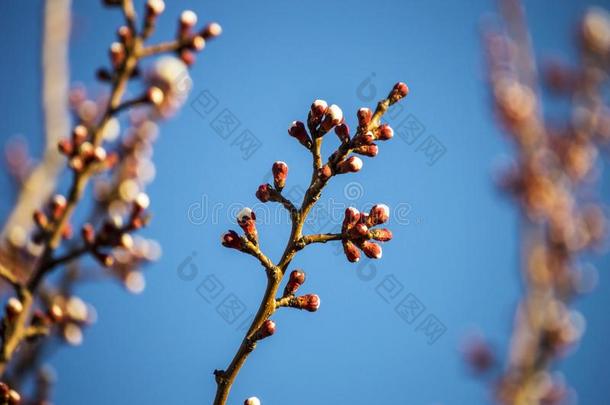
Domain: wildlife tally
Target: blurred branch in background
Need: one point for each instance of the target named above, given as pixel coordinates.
(554, 181)
(46, 311)
(40, 180)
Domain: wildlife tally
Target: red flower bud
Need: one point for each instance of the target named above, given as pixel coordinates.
(266, 330)
(352, 165)
(246, 219)
(297, 278)
(364, 116)
(298, 131)
(379, 214)
(187, 57)
(382, 234)
(399, 91)
(280, 173)
(325, 172)
(366, 138)
(351, 251)
(371, 249)
(232, 240)
(358, 231)
(318, 108)
(351, 218)
(309, 302)
(264, 192)
(342, 131)
(367, 150)
(384, 132)
(333, 117)
(88, 234)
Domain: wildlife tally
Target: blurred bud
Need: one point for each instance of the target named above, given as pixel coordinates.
(352, 165)
(197, 43)
(351, 251)
(595, 30)
(188, 19)
(14, 398)
(379, 214)
(264, 192)
(79, 134)
(13, 308)
(40, 219)
(117, 53)
(142, 201)
(371, 249)
(231, 240)
(252, 401)
(280, 173)
(155, 96)
(88, 234)
(155, 7)
(211, 31)
(55, 313)
(65, 147)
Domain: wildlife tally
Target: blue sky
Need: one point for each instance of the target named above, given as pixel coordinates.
(455, 236)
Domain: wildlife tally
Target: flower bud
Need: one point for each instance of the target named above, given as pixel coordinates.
(252, 401)
(99, 154)
(379, 214)
(309, 302)
(65, 147)
(318, 108)
(197, 43)
(246, 219)
(211, 31)
(364, 116)
(384, 132)
(155, 7)
(325, 172)
(79, 134)
(264, 192)
(366, 138)
(88, 234)
(55, 313)
(266, 330)
(399, 91)
(351, 218)
(13, 308)
(188, 19)
(105, 259)
(367, 150)
(297, 278)
(351, 251)
(40, 219)
(232, 240)
(342, 131)
(381, 234)
(155, 96)
(333, 117)
(187, 57)
(142, 201)
(14, 398)
(117, 53)
(352, 165)
(280, 173)
(298, 131)
(371, 249)
(358, 231)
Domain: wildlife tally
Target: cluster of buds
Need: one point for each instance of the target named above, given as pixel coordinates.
(357, 232)
(47, 219)
(115, 232)
(71, 314)
(81, 153)
(8, 396)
